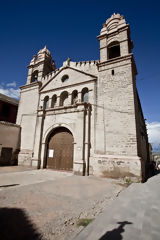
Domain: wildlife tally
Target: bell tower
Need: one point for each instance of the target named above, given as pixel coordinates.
(40, 65)
(114, 38)
(116, 114)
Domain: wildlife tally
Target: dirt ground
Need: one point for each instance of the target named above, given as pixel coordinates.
(45, 204)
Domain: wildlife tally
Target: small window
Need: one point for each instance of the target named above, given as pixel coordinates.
(65, 78)
(74, 96)
(34, 76)
(64, 98)
(112, 71)
(85, 95)
(46, 103)
(54, 101)
(114, 50)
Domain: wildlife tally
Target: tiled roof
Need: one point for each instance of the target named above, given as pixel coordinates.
(8, 99)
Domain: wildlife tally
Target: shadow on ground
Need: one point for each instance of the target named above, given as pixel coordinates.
(16, 225)
(116, 233)
(10, 185)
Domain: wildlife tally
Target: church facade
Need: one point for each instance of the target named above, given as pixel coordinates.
(86, 116)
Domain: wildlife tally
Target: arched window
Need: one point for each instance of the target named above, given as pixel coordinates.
(34, 77)
(64, 98)
(85, 95)
(114, 50)
(74, 96)
(46, 103)
(54, 101)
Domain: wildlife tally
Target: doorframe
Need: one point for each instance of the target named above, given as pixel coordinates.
(47, 134)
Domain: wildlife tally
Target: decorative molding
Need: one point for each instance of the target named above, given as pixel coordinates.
(34, 84)
(67, 67)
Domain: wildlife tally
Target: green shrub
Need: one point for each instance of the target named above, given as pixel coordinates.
(128, 181)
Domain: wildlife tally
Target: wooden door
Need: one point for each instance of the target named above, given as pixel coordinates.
(60, 150)
(6, 156)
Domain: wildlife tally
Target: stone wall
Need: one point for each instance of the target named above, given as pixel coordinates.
(116, 166)
(142, 139)
(27, 117)
(9, 143)
(116, 110)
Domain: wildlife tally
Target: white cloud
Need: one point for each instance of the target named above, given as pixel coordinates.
(10, 92)
(154, 135)
(12, 84)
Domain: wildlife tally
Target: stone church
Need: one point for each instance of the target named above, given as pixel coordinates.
(85, 116)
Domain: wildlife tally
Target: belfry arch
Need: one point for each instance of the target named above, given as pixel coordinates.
(59, 149)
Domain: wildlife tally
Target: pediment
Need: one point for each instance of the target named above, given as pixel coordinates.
(75, 76)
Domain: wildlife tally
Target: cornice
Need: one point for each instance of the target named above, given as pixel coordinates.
(116, 60)
(63, 68)
(68, 86)
(119, 60)
(36, 64)
(110, 34)
(109, 43)
(34, 84)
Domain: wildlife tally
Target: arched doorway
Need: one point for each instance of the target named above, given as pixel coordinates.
(60, 150)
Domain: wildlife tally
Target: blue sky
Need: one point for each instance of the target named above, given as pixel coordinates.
(69, 29)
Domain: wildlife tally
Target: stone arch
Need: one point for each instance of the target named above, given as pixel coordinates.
(64, 98)
(59, 148)
(111, 40)
(46, 102)
(74, 96)
(34, 77)
(54, 101)
(53, 127)
(113, 50)
(85, 95)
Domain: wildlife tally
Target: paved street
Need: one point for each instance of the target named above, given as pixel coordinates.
(30, 177)
(134, 215)
(46, 204)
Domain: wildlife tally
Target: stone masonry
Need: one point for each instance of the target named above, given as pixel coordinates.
(94, 101)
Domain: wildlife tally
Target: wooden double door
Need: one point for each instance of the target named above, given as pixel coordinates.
(60, 150)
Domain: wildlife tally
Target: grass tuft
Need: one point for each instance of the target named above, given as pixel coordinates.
(84, 221)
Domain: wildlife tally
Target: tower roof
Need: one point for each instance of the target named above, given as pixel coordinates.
(44, 50)
(43, 54)
(115, 22)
